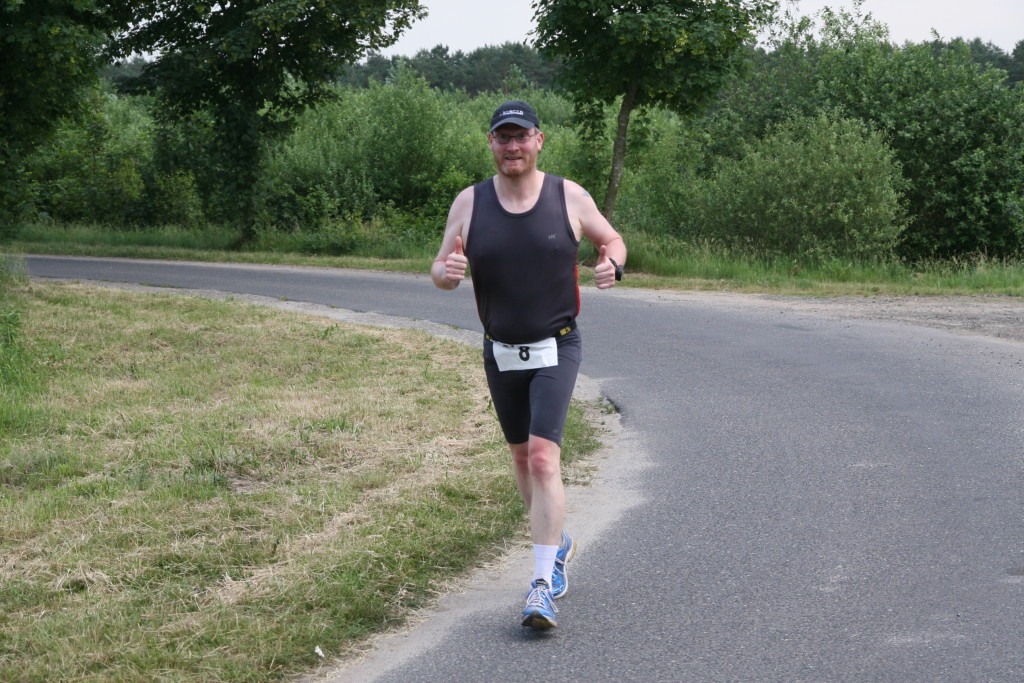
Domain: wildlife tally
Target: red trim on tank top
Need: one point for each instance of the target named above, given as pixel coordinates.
(579, 303)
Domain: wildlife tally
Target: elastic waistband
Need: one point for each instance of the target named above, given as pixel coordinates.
(558, 333)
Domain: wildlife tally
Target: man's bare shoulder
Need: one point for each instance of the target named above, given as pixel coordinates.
(579, 201)
(574, 188)
(459, 214)
(576, 193)
(463, 202)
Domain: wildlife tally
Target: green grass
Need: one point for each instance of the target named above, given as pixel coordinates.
(212, 244)
(673, 265)
(201, 490)
(655, 262)
(15, 365)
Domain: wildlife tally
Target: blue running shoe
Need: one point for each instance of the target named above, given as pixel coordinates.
(540, 608)
(559, 580)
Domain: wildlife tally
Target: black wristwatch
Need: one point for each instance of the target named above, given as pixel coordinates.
(618, 270)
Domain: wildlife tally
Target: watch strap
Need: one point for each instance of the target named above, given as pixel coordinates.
(618, 269)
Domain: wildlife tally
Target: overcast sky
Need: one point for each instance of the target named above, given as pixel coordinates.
(468, 24)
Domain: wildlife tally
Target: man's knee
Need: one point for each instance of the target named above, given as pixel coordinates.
(544, 458)
(520, 454)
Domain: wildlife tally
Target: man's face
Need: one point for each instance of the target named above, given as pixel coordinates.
(512, 157)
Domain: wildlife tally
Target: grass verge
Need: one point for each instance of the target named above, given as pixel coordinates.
(202, 490)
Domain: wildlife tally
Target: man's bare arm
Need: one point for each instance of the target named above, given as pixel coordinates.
(588, 220)
(449, 268)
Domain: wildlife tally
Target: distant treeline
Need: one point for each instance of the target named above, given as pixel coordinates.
(491, 68)
(482, 70)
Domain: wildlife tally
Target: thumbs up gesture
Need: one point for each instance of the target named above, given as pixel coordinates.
(604, 271)
(455, 264)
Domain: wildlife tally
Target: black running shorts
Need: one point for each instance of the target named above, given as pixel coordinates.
(535, 401)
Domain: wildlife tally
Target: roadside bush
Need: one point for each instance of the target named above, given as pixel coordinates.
(814, 187)
(170, 199)
(314, 177)
(399, 144)
(92, 170)
(577, 146)
(956, 129)
(658, 188)
(953, 124)
(102, 170)
(183, 148)
(410, 136)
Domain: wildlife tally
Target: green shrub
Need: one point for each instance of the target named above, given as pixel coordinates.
(399, 144)
(954, 125)
(956, 129)
(186, 147)
(313, 177)
(658, 185)
(104, 169)
(814, 187)
(170, 199)
(407, 138)
(568, 154)
(92, 169)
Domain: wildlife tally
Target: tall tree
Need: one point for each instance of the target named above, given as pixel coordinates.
(251, 66)
(1017, 64)
(672, 53)
(49, 50)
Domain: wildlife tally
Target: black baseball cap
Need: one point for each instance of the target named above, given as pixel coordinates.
(517, 112)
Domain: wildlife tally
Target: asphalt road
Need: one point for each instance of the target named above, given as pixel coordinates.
(819, 500)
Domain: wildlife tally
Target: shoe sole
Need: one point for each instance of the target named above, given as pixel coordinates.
(538, 621)
(571, 553)
(568, 556)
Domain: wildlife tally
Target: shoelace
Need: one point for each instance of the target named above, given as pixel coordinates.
(536, 598)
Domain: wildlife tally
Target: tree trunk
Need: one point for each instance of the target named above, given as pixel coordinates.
(619, 151)
(241, 136)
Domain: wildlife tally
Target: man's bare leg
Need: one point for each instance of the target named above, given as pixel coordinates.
(538, 471)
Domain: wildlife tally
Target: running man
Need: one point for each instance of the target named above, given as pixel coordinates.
(519, 232)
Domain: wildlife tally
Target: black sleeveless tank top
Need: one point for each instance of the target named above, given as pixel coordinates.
(525, 277)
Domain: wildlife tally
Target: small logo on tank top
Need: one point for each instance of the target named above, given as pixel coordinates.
(552, 237)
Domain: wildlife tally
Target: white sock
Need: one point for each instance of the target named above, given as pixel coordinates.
(544, 561)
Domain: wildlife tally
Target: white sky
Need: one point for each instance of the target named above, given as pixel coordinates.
(468, 24)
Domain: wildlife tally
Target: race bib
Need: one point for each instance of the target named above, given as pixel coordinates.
(542, 354)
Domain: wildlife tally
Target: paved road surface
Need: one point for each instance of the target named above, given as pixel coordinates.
(819, 500)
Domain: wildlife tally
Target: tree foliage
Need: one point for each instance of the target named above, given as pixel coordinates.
(797, 157)
(49, 50)
(952, 122)
(957, 133)
(672, 53)
(91, 172)
(482, 70)
(251, 65)
(989, 55)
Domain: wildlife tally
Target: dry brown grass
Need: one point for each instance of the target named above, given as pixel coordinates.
(208, 491)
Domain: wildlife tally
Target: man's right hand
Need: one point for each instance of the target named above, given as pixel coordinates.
(455, 264)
